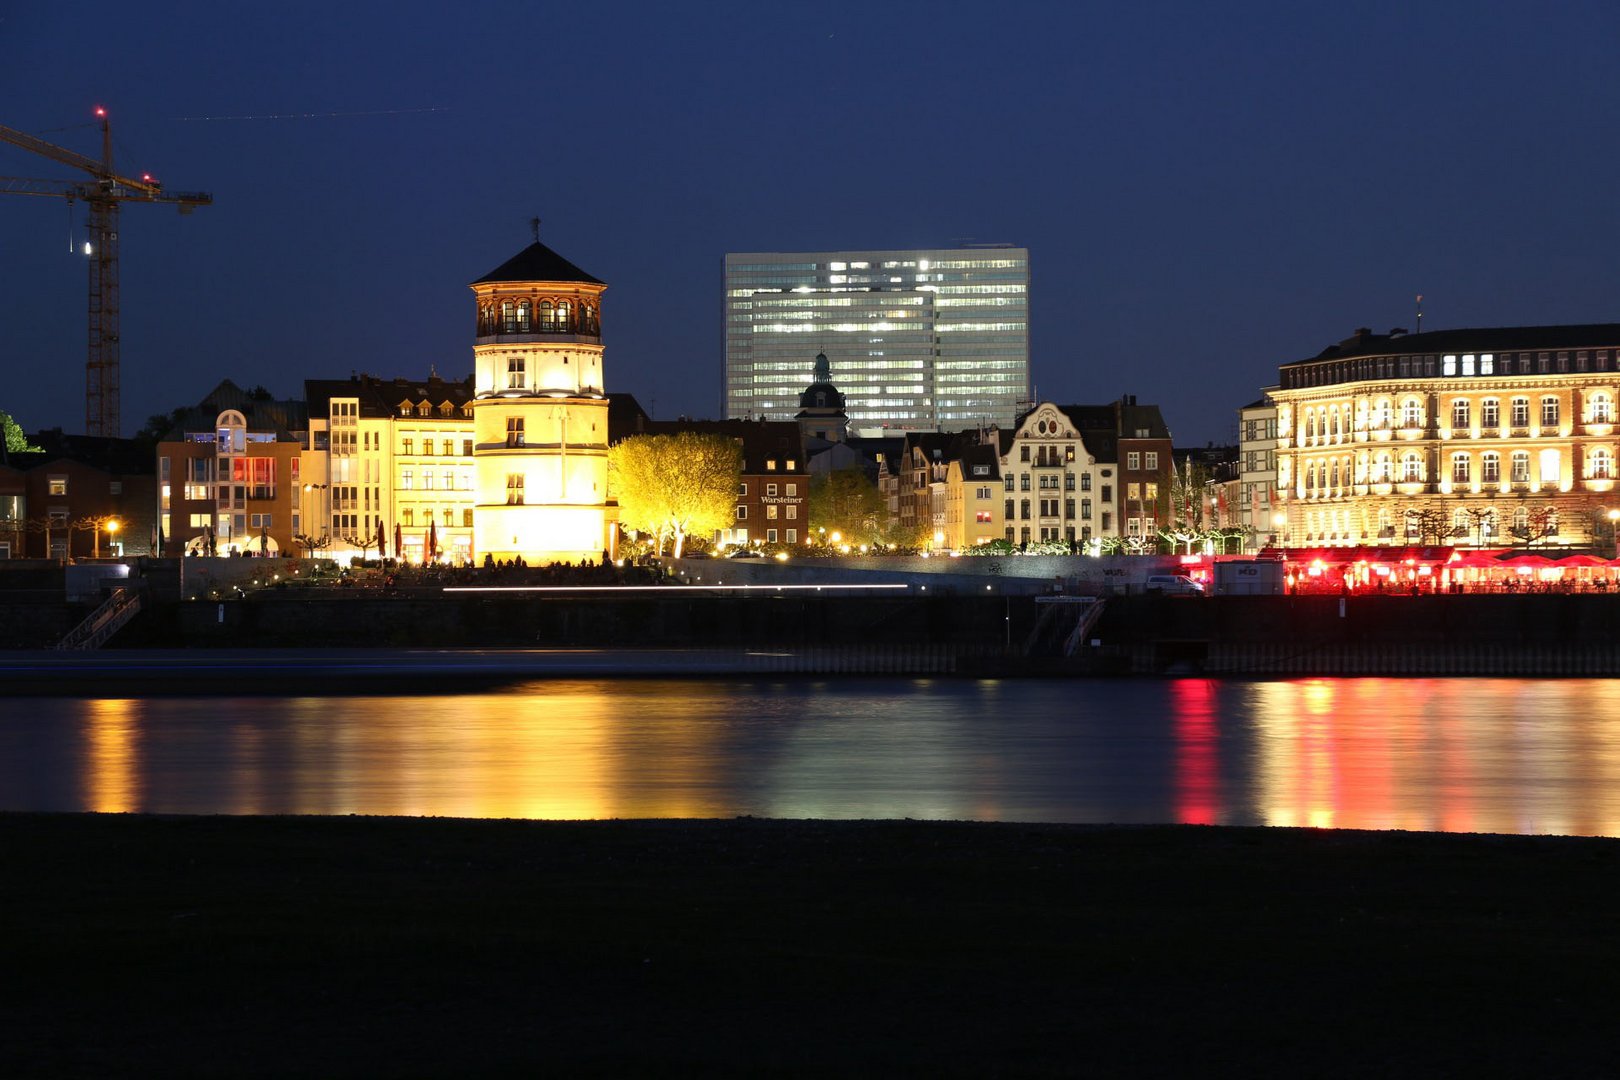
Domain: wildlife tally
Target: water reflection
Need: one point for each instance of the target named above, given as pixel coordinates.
(1457, 755)
(1451, 755)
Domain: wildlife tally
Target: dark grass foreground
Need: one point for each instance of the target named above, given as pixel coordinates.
(384, 947)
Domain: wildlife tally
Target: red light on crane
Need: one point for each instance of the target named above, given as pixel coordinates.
(100, 111)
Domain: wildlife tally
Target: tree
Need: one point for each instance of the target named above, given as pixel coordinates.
(1427, 526)
(675, 486)
(16, 441)
(846, 502)
(95, 525)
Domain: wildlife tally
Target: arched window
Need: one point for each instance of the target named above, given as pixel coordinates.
(1459, 415)
(1459, 468)
(1310, 477)
(1600, 465)
(1386, 414)
(1521, 467)
(562, 316)
(1335, 422)
(1310, 425)
(1411, 413)
(548, 317)
(1490, 414)
(1335, 474)
(1549, 412)
(1384, 526)
(1411, 468)
(1459, 522)
(1521, 523)
(523, 316)
(1602, 409)
(508, 317)
(1490, 467)
(1383, 469)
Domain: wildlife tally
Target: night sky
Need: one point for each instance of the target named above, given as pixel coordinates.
(1206, 190)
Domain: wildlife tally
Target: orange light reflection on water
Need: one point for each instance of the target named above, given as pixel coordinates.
(1520, 756)
(112, 759)
(549, 750)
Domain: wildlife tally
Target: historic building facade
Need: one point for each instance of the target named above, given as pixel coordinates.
(390, 467)
(540, 414)
(1476, 437)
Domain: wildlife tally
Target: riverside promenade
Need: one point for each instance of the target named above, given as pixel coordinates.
(823, 620)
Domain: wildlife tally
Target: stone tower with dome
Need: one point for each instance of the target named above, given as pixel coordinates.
(821, 406)
(540, 413)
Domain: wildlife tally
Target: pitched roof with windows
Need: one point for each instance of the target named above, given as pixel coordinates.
(383, 397)
(1471, 339)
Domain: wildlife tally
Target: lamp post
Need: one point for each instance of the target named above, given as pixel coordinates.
(1279, 522)
(112, 536)
(303, 516)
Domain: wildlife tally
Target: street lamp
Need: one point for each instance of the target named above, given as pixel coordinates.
(111, 526)
(1279, 522)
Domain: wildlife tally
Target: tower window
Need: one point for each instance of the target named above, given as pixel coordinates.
(514, 432)
(514, 372)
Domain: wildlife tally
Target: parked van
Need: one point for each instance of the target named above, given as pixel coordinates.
(1173, 584)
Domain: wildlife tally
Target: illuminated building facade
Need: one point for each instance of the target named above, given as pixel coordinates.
(921, 340)
(394, 454)
(231, 472)
(1256, 509)
(540, 416)
(1475, 437)
(1079, 473)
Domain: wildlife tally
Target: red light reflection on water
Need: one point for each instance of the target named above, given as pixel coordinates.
(1198, 782)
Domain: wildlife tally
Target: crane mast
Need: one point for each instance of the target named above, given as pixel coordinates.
(103, 195)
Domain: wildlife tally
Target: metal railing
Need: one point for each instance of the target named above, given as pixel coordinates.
(123, 605)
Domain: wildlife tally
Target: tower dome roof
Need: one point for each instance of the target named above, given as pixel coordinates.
(537, 263)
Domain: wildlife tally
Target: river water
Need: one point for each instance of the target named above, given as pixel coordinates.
(1454, 755)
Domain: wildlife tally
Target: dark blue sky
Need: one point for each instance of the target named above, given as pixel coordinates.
(1205, 190)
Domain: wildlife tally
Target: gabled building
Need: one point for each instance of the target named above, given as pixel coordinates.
(1081, 473)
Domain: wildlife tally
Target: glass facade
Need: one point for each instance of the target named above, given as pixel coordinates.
(918, 340)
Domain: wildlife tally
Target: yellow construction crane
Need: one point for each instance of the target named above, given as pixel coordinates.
(103, 193)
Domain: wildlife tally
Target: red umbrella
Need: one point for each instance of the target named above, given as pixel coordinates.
(433, 540)
(399, 548)
(382, 540)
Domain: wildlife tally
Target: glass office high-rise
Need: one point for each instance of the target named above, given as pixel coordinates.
(922, 340)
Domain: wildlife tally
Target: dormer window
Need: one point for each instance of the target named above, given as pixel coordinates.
(424, 409)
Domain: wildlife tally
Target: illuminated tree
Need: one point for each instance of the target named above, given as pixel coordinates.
(16, 441)
(675, 486)
(846, 502)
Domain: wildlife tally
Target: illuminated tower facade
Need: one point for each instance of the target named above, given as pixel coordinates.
(540, 416)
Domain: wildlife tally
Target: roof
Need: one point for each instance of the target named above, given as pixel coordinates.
(288, 420)
(537, 263)
(1472, 339)
(381, 397)
(120, 457)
